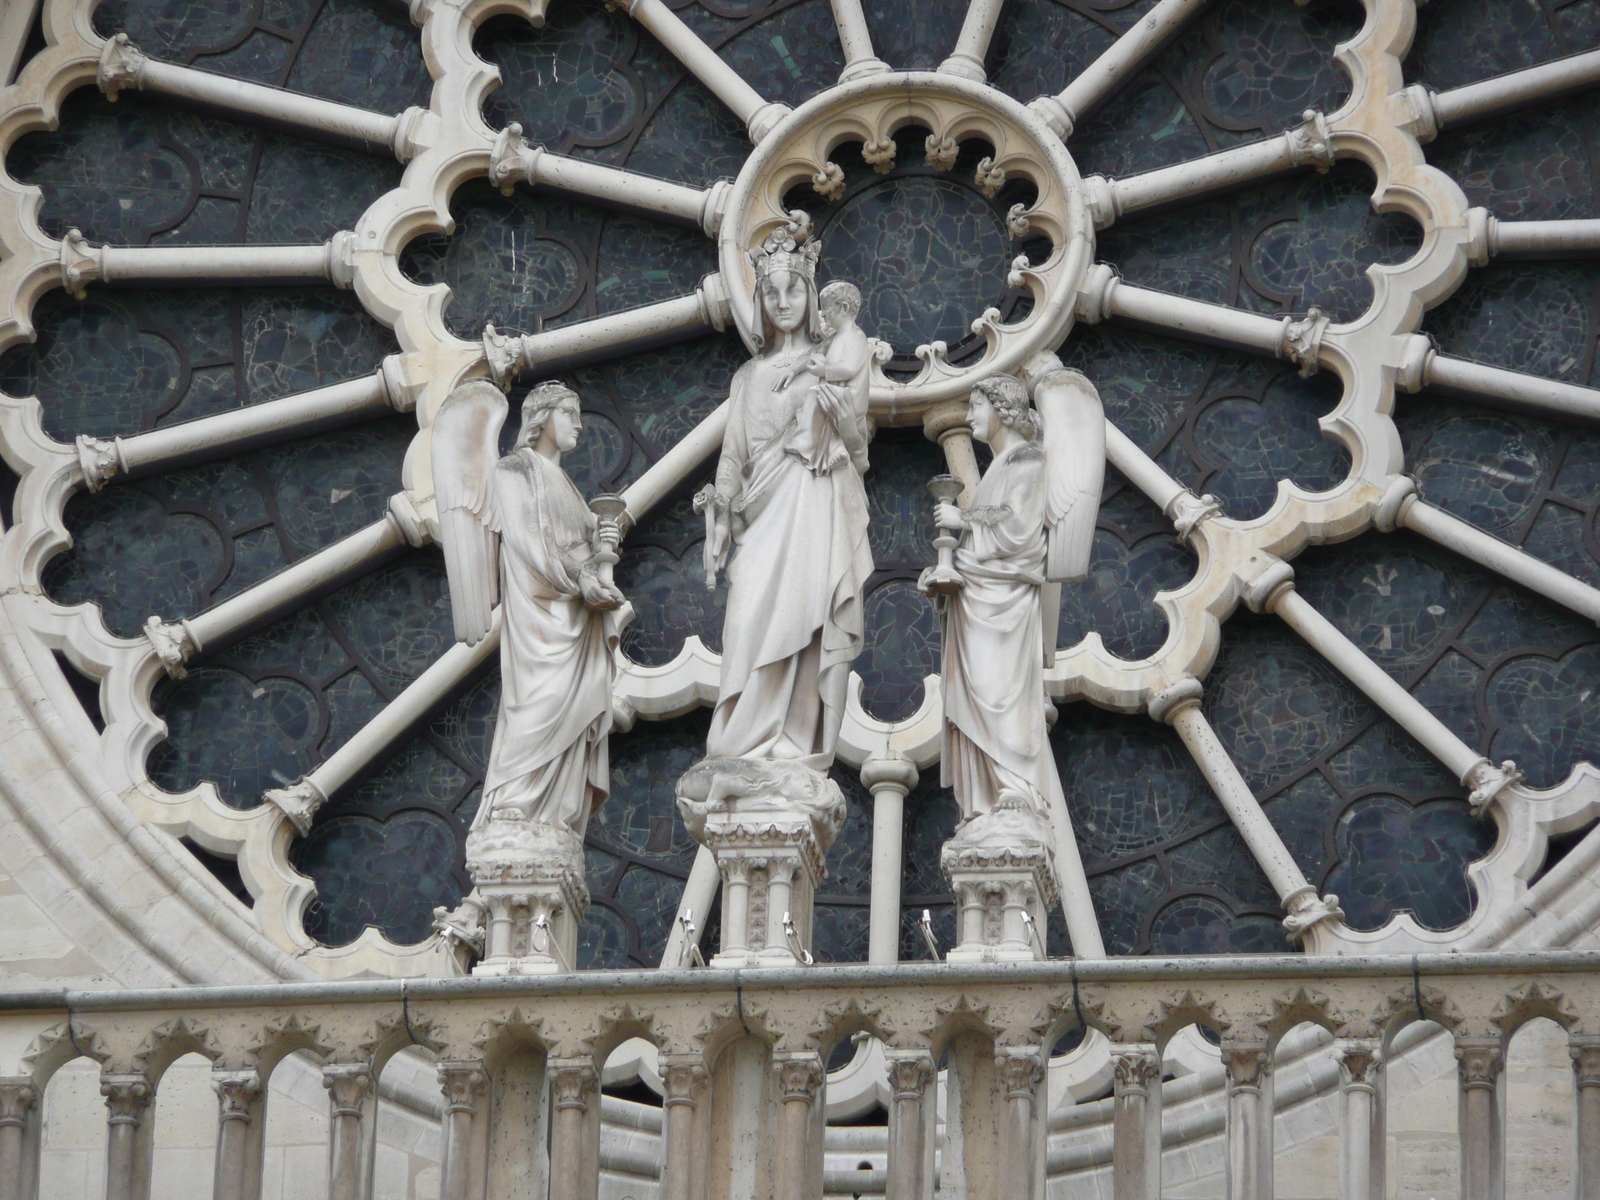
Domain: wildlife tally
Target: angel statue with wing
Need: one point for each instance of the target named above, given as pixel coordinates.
(524, 554)
(1030, 526)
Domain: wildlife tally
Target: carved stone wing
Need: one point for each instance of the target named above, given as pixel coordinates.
(1075, 463)
(466, 446)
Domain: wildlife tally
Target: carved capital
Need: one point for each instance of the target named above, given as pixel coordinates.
(910, 1074)
(1585, 1052)
(236, 1093)
(464, 1084)
(1167, 704)
(172, 642)
(1479, 1062)
(800, 1077)
(1134, 1069)
(1246, 1063)
(1486, 781)
(1306, 909)
(99, 461)
(348, 1085)
(81, 263)
(1359, 1061)
(1021, 1069)
(1187, 510)
(1271, 579)
(504, 354)
(682, 1080)
(572, 1083)
(121, 66)
(299, 802)
(128, 1096)
(512, 158)
(1301, 340)
(18, 1098)
(1311, 141)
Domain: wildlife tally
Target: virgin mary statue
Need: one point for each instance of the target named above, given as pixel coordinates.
(795, 521)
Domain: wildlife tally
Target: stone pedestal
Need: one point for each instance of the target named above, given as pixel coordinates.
(769, 824)
(1000, 866)
(529, 880)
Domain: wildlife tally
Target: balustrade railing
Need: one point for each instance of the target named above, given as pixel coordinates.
(743, 1060)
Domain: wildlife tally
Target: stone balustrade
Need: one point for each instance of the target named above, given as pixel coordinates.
(743, 1067)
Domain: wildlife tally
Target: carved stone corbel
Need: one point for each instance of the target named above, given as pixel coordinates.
(299, 802)
(99, 459)
(121, 66)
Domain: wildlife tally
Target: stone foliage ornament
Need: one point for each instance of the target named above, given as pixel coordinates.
(789, 507)
(519, 538)
(1029, 526)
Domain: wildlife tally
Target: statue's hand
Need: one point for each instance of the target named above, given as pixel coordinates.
(598, 595)
(950, 516)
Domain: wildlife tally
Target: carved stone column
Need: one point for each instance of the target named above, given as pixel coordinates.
(946, 423)
(800, 1078)
(1249, 1174)
(1020, 1070)
(238, 1098)
(128, 1098)
(911, 1076)
(529, 877)
(1479, 1061)
(1359, 1065)
(1002, 871)
(465, 1085)
(684, 1079)
(768, 823)
(19, 1101)
(349, 1086)
(1136, 1129)
(574, 1155)
(1585, 1051)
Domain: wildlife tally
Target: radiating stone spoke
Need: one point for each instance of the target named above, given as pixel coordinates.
(123, 66)
(628, 331)
(972, 44)
(515, 159)
(1504, 94)
(855, 39)
(176, 642)
(1104, 295)
(1179, 706)
(83, 263)
(1547, 397)
(1308, 144)
(1518, 240)
(244, 429)
(758, 114)
(1102, 79)
(1272, 590)
(1403, 508)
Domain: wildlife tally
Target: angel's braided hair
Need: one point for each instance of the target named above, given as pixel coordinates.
(542, 400)
(1009, 399)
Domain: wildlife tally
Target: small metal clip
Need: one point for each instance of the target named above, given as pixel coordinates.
(691, 941)
(926, 925)
(792, 936)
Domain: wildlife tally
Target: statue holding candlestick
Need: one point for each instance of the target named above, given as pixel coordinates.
(517, 534)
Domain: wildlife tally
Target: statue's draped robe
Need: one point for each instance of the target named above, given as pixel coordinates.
(995, 735)
(794, 617)
(549, 757)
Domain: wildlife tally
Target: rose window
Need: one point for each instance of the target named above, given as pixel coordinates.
(1329, 284)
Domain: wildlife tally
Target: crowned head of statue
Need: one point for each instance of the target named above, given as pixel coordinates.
(786, 280)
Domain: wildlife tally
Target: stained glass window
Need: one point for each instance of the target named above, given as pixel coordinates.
(1364, 809)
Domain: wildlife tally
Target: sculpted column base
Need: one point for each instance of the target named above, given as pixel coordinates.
(769, 824)
(1002, 871)
(530, 887)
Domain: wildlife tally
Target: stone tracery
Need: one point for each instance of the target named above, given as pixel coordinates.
(1096, 675)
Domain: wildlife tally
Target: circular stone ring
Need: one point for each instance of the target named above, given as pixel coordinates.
(872, 111)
